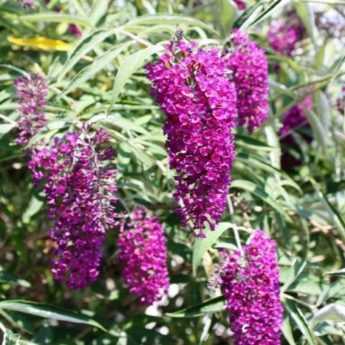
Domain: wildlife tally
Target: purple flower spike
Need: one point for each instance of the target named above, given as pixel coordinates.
(191, 86)
(283, 35)
(250, 284)
(143, 257)
(79, 184)
(249, 66)
(31, 93)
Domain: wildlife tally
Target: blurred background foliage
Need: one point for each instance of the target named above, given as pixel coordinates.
(98, 77)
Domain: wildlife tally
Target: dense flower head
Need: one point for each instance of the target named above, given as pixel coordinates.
(31, 92)
(191, 86)
(249, 66)
(79, 185)
(142, 254)
(250, 284)
(241, 4)
(284, 34)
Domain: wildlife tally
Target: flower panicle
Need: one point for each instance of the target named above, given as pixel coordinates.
(249, 67)
(142, 254)
(79, 184)
(250, 284)
(191, 87)
(31, 92)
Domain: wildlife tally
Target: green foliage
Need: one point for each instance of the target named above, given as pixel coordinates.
(101, 80)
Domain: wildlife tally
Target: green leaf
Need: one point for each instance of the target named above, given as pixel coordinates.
(306, 14)
(250, 142)
(81, 49)
(168, 20)
(287, 331)
(213, 305)
(332, 312)
(129, 66)
(91, 70)
(256, 13)
(99, 10)
(323, 109)
(34, 206)
(226, 15)
(201, 245)
(55, 18)
(321, 134)
(49, 312)
(6, 128)
(294, 273)
(301, 322)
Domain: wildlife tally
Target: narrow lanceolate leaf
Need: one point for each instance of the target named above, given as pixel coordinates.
(168, 20)
(91, 70)
(301, 322)
(49, 312)
(80, 51)
(213, 305)
(129, 66)
(287, 331)
(332, 312)
(201, 245)
(306, 14)
(55, 18)
(99, 10)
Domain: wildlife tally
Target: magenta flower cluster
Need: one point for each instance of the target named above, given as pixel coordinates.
(199, 101)
(79, 184)
(241, 4)
(31, 92)
(250, 284)
(143, 256)
(249, 66)
(284, 34)
(295, 117)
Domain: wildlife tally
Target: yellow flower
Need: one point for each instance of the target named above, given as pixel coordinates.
(40, 42)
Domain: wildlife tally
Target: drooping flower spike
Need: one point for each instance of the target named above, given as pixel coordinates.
(199, 101)
(31, 92)
(79, 184)
(142, 253)
(284, 34)
(249, 67)
(250, 284)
